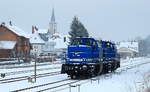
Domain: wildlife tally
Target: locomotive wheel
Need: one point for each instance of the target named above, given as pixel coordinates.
(73, 76)
(113, 66)
(105, 68)
(118, 64)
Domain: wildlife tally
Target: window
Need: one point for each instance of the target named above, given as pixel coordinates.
(99, 43)
(87, 42)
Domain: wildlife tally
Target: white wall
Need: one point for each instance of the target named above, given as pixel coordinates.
(37, 49)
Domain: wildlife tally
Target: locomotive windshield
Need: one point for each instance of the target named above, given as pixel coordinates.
(87, 42)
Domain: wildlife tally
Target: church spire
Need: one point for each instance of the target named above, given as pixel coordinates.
(52, 25)
(53, 16)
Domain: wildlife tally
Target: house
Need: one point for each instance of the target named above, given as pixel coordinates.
(128, 48)
(48, 41)
(54, 45)
(14, 42)
(37, 43)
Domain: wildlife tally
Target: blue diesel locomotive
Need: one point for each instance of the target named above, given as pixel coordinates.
(90, 57)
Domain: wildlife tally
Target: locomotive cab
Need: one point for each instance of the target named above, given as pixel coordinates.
(81, 50)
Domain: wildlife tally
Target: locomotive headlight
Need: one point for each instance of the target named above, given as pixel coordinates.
(84, 67)
(76, 67)
(92, 66)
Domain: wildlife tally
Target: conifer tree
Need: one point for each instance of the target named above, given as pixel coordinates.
(77, 29)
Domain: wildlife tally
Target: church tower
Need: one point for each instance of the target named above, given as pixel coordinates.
(52, 25)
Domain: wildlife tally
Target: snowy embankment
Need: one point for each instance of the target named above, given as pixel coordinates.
(129, 80)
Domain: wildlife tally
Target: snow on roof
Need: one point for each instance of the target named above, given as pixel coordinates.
(59, 41)
(35, 38)
(56, 34)
(7, 44)
(42, 31)
(132, 45)
(18, 31)
(128, 44)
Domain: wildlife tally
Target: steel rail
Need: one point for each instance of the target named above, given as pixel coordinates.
(10, 80)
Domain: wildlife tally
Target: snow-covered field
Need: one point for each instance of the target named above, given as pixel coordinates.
(123, 80)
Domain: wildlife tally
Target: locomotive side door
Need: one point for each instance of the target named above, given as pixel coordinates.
(100, 49)
(95, 50)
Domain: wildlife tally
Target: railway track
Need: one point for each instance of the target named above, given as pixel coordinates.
(25, 66)
(128, 67)
(120, 70)
(46, 84)
(10, 80)
(61, 85)
(27, 71)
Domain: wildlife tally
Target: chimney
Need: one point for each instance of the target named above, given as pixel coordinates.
(3, 23)
(10, 23)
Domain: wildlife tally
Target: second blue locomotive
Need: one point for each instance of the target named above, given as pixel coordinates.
(89, 57)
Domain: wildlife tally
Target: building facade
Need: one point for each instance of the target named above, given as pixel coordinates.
(128, 49)
(37, 43)
(14, 42)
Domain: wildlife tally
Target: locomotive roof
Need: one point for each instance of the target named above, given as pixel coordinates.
(95, 39)
(84, 38)
(108, 42)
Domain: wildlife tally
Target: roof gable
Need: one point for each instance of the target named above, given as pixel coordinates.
(16, 30)
(35, 38)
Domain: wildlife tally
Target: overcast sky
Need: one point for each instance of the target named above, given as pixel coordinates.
(108, 19)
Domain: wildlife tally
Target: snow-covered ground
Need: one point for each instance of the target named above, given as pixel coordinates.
(130, 80)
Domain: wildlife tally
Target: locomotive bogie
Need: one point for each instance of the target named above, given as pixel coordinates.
(82, 69)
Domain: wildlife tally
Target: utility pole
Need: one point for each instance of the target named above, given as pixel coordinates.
(69, 87)
(78, 85)
(35, 68)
